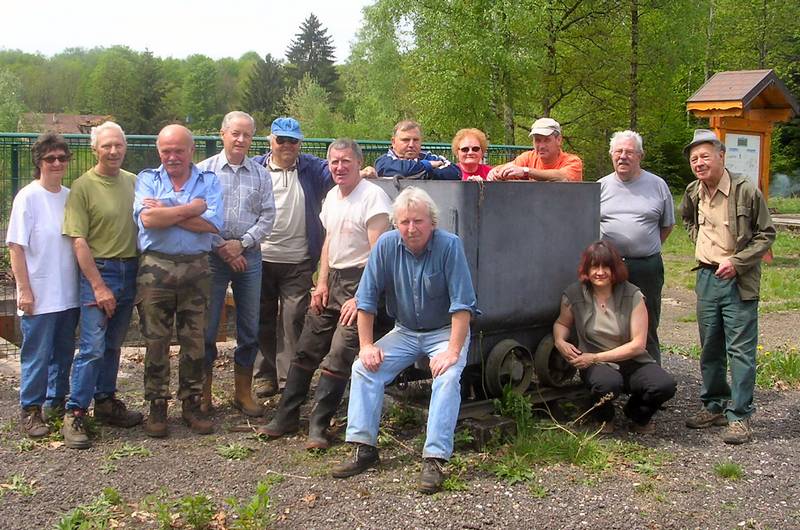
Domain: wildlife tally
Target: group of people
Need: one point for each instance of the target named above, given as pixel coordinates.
(173, 239)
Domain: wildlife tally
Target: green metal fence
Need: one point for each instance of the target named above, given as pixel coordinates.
(16, 171)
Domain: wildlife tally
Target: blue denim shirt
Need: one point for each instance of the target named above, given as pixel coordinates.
(156, 184)
(421, 291)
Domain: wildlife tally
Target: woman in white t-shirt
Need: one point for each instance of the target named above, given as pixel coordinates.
(46, 274)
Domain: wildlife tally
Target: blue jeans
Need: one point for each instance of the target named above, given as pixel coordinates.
(247, 297)
(401, 348)
(48, 344)
(94, 371)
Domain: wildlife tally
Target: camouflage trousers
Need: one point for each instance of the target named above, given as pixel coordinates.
(173, 289)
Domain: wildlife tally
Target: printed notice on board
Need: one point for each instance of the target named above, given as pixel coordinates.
(743, 155)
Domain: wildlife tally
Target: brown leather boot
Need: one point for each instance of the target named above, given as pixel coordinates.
(190, 412)
(206, 404)
(156, 424)
(243, 395)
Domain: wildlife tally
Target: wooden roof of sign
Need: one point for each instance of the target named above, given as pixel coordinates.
(752, 94)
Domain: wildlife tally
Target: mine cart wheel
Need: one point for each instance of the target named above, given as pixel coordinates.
(509, 362)
(551, 368)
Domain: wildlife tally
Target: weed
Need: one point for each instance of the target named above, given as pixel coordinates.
(513, 469)
(256, 513)
(517, 407)
(463, 439)
(96, 515)
(25, 444)
(127, 451)
(234, 451)
(538, 491)
(400, 417)
(108, 467)
(644, 488)
(196, 510)
(778, 369)
(692, 352)
(454, 483)
(728, 470)
(17, 484)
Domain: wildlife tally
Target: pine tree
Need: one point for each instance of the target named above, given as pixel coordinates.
(264, 90)
(311, 52)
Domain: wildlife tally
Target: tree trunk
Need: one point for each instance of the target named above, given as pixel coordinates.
(634, 80)
(708, 67)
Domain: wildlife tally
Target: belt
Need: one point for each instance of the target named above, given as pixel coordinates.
(178, 258)
(122, 260)
(709, 266)
(630, 258)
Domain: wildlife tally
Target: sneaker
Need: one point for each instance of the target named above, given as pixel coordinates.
(432, 476)
(738, 432)
(32, 423)
(112, 411)
(74, 430)
(364, 457)
(704, 419)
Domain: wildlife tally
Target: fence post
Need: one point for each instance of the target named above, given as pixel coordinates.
(211, 148)
(14, 169)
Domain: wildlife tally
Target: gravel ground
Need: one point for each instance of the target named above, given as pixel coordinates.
(683, 492)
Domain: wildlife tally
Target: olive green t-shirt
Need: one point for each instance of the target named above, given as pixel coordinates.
(100, 209)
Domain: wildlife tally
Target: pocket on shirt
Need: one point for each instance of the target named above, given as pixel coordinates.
(435, 284)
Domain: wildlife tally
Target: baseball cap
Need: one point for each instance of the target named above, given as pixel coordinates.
(286, 127)
(545, 127)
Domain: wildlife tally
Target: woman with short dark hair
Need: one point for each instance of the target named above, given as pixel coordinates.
(46, 275)
(610, 320)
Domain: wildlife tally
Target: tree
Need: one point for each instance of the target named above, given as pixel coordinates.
(199, 101)
(11, 106)
(309, 104)
(311, 52)
(264, 90)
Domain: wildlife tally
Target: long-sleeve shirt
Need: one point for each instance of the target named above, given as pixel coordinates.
(174, 240)
(390, 165)
(249, 206)
(421, 291)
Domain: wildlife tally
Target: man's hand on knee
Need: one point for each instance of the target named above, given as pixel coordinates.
(442, 361)
(371, 357)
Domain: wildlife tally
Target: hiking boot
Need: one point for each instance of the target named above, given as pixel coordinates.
(74, 430)
(156, 424)
(647, 428)
(330, 390)
(266, 388)
(287, 416)
(32, 422)
(55, 408)
(432, 476)
(190, 412)
(737, 432)
(364, 457)
(243, 392)
(704, 419)
(112, 411)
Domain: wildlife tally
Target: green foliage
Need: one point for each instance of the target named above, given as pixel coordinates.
(779, 369)
(263, 92)
(95, 515)
(728, 470)
(517, 407)
(234, 451)
(310, 54)
(196, 510)
(256, 513)
(399, 417)
(128, 451)
(11, 106)
(19, 485)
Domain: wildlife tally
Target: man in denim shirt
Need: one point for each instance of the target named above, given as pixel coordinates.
(177, 208)
(424, 275)
(248, 216)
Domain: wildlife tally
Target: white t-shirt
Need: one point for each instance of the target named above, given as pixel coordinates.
(288, 242)
(345, 221)
(35, 224)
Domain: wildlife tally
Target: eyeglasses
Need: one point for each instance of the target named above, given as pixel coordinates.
(467, 149)
(286, 139)
(52, 159)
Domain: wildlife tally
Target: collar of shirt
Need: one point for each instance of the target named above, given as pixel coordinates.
(723, 186)
(247, 163)
(163, 176)
(273, 167)
(428, 246)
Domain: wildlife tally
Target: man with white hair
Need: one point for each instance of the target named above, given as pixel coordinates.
(99, 219)
(637, 215)
(422, 270)
(249, 211)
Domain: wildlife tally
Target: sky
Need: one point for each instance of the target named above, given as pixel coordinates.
(175, 28)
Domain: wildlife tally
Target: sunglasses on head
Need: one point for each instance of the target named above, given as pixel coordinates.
(52, 158)
(286, 139)
(474, 149)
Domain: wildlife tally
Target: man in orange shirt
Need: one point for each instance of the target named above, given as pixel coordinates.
(546, 161)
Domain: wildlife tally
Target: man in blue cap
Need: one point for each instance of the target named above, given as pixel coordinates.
(290, 253)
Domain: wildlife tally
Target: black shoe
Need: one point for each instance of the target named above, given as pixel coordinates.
(432, 476)
(287, 417)
(327, 399)
(364, 457)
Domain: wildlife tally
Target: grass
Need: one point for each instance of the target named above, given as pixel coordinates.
(96, 515)
(785, 204)
(234, 451)
(728, 470)
(17, 484)
(128, 451)
(257, 512)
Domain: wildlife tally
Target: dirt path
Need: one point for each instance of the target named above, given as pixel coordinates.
(681, 492)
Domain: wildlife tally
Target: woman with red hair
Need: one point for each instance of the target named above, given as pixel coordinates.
(609, 318)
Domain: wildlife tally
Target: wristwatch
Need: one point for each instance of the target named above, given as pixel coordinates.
(527, 172)
(246, 241)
